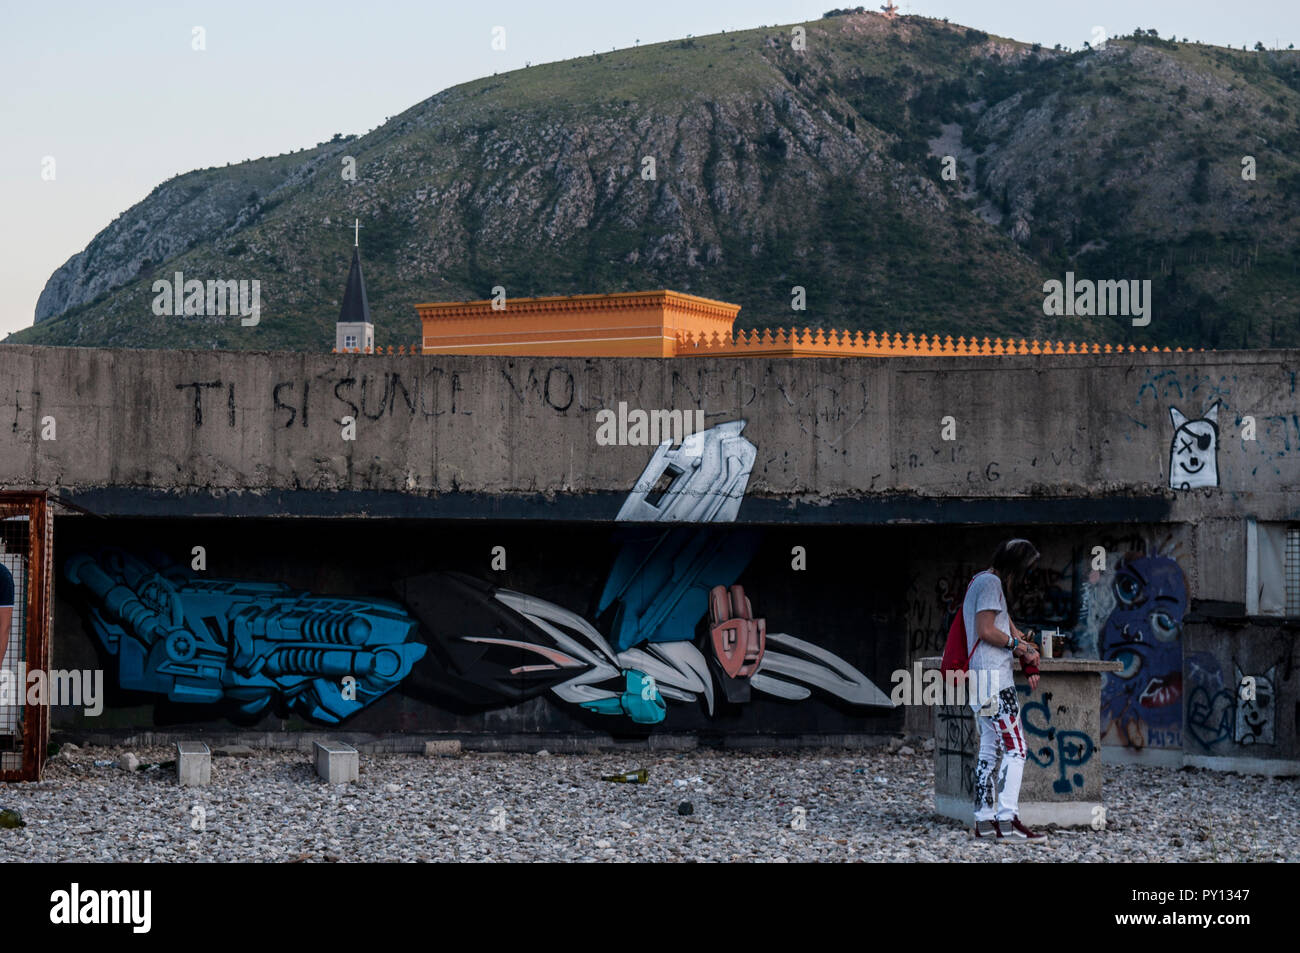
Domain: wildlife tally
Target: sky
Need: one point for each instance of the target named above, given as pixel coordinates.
(117, 95)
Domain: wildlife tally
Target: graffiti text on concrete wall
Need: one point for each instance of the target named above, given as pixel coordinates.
(837, 403)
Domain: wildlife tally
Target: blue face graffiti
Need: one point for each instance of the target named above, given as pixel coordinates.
(1144, 634)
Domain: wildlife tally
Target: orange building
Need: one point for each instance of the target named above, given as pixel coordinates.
(632, 324)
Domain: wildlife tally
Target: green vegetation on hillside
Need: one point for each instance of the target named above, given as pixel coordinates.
(775, 167)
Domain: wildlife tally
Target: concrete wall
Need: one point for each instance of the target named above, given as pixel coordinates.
(1074, 452)
(1063, 439)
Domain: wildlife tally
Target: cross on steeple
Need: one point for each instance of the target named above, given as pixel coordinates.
(356, 233)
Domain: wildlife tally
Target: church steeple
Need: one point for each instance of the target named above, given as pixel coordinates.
(355, 305)
(354, 331)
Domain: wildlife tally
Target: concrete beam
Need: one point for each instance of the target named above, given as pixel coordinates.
(604, 507)
(495, 437)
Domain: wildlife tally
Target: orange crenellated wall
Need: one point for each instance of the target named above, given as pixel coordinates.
(672, 324)
(805, 342)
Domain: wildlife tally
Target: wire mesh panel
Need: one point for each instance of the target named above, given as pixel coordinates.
(13, 544)
(1293, 571)
(26, 551)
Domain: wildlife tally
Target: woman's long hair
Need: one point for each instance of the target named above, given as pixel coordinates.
(1012, 562)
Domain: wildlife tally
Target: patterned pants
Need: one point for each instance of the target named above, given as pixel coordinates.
(1000, 734)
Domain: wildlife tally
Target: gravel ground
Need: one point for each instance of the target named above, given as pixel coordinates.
(861, 805)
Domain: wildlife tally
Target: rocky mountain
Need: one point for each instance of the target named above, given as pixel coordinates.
(742, 165)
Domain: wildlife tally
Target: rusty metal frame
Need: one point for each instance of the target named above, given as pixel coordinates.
(39, 584)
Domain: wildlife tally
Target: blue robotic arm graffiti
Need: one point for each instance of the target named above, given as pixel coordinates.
(205, 640)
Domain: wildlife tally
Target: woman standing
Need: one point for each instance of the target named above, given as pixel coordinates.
(993, 640)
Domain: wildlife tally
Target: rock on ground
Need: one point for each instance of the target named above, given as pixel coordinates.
(861, 805)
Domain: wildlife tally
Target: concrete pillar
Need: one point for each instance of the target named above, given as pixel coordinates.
(193, 764)
(1061, 722)
(336, 762)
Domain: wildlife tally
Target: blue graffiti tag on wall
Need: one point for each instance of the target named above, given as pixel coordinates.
(1065, 749)
(1211, 706)
(1278, 434)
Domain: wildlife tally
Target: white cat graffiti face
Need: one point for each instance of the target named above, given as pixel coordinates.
(1194, 454)
(1255, 713)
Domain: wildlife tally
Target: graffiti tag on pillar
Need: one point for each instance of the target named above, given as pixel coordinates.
(1065, 749)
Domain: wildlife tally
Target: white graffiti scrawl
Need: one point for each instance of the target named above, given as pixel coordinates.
(1194, 453)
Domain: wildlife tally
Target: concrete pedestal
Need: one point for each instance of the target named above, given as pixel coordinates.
(337, 763)
(1062, 725)
(193, 764)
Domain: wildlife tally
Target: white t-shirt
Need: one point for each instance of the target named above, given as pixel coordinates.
(986, 593)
